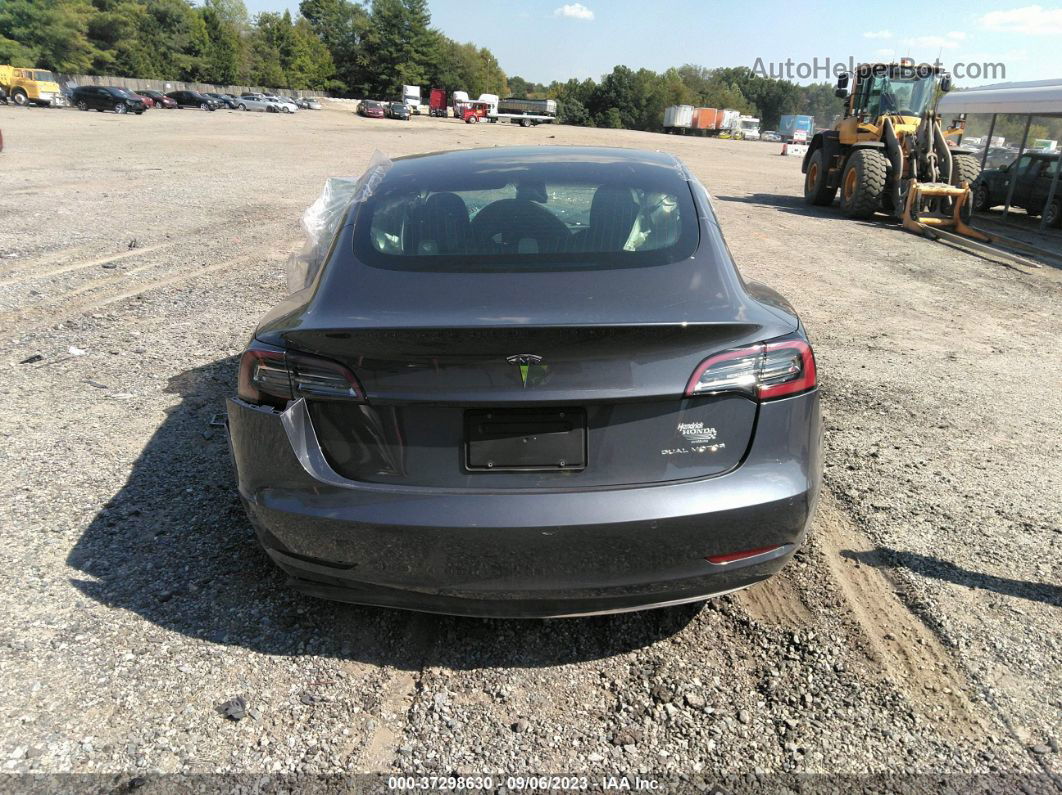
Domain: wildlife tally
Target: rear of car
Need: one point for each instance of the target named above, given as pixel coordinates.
(371, 109)
(529, 382)
(193, 99)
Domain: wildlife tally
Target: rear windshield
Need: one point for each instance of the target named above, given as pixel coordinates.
(529, 216)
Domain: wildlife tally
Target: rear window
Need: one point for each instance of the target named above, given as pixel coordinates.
(563, 214)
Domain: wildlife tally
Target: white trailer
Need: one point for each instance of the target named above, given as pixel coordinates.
(678, 118)
(731, 123)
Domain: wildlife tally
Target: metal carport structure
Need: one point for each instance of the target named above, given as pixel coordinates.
(1038, 98)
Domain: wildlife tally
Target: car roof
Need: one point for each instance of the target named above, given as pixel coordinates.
(508, 155)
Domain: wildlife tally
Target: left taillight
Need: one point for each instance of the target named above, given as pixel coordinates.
(272, 376)
(764, 371)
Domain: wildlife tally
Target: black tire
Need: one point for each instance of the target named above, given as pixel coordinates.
(816, 188)
(863, 183)
(19, 97)
(204, 106)
(964, 168)
(1053, 214)
(82, 105)
(473, 119)
(140, 113)
(120, 108)
(242, 107)
(982, 198)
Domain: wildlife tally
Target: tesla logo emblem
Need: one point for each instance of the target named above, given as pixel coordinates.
(525, 361)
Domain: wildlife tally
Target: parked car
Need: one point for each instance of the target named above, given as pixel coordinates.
(446, 423)
(193, 99)
(285, 105)
(398, 110)
(108, 98)
(999, 156)
(1032, 174)
(160, 99)
(771, 135)
(149, 103)
(256, 102)
(226, 100)
(371, 109)
(312, 103)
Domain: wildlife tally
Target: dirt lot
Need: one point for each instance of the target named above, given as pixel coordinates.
(917, 633)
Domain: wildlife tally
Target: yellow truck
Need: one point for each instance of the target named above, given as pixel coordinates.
(24, 86)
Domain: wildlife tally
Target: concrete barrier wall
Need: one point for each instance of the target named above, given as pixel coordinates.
(137, 83)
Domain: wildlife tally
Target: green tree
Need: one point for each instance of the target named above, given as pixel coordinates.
(818, 100)
(224, 56)
(396, 47)
(48, 33)
(340, 25)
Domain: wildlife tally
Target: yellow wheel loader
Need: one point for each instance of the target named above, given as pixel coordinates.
(889, 154)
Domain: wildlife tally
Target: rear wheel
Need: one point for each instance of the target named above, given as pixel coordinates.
(816, 187)
(1053, 214)
(982, 198)
(863, 183)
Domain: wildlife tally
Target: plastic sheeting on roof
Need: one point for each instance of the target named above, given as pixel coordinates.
(1039, 98)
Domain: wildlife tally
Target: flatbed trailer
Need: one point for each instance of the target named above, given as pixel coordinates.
(523, 119)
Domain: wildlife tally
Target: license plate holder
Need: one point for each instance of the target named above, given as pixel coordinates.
(509, 440)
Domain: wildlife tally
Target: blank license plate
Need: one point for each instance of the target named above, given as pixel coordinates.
(525, 439)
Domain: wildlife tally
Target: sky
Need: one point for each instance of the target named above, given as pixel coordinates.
(545, 40)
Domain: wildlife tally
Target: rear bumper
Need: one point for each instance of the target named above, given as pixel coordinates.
(520, 553)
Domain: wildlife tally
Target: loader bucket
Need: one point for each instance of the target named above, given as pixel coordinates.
(922, 208)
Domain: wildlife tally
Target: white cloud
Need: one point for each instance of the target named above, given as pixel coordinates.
(1030, 20)
(574, 11)
(885, 53)
(878, 34)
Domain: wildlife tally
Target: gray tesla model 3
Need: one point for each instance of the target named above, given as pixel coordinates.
(529, 382)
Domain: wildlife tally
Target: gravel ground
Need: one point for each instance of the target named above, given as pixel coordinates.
(916, 633)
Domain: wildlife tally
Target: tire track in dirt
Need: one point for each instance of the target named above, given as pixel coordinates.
(377, 750)
(34, 275)
(58, 309)
(908, 652)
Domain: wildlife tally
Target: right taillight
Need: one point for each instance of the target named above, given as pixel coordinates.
(272, 376)
(765, 371)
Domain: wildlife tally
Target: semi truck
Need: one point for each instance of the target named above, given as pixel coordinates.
(25, 86)
(411, 97)
(525, 112)
(460, 101)
(437, 102)
(795, 126)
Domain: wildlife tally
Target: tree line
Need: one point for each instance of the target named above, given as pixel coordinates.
(340, 46)
(368, 49)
